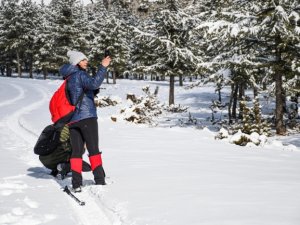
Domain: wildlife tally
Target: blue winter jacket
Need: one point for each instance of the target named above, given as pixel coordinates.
(80, 81)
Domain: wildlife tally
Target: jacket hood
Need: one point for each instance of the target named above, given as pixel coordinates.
(68, 69)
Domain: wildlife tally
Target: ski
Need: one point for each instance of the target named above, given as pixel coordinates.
(67, 190)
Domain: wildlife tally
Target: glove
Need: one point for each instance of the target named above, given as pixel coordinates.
(96, 91)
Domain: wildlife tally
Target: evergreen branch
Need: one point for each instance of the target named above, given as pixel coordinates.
(297, 8)
(265, 12)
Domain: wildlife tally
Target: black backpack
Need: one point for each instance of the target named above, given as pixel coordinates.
(48, 141)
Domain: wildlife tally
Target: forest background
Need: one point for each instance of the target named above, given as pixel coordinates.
(244, 45)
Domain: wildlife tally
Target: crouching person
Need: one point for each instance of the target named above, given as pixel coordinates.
(58, 161)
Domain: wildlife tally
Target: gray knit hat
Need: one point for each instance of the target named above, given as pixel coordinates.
(75, 57)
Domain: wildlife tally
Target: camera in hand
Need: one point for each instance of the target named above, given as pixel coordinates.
(106, 53)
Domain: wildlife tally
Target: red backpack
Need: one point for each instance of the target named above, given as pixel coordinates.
(60, 106)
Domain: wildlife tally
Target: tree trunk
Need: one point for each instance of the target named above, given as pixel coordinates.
(279, 92)
(45, 72)
(30, 71)
(255, 91)
(280, 128)
(107, 77)
(2, 68)
(8, 70)
(114, 76)
(230, 104)
(156, 91)
(31, 68)
(235, 100)
(171, 91)
(19, 64)
(241, 94)
(241, 90)
(180, 80)
(219, 95)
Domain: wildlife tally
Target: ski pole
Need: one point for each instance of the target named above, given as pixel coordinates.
(66, 189)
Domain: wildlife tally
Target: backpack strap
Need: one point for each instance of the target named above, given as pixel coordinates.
(79, 101)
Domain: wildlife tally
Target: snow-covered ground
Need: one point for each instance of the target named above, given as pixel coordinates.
(156, 176)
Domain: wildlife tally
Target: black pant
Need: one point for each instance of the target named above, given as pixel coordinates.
(85, 132)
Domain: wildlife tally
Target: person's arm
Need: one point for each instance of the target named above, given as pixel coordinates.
(94, 82)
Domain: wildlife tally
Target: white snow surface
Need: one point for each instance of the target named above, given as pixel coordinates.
(155, 175)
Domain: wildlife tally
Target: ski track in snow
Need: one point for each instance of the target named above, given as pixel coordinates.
(20, 95)
(23, 138)
(14, 121)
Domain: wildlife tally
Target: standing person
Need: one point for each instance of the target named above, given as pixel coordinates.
(83, 125)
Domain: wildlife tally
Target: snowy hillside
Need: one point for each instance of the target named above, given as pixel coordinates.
(156, 175)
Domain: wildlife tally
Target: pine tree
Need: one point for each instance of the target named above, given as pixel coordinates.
(30, 20)
(97, 18)
(259, 35)
(18, 31)
(167, 39)
(252, 120)
(278, 40)
(247, 117)
(111, 31)
(44, 41)
(5, 56)
(257, 116)
(11, 29)
(259, 125)
(66, 29)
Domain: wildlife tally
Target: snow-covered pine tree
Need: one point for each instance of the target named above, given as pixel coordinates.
(261, 34)
(112, 34)
(167, 39)
(11, 28)
(30, 20)
(44, 41)
(82, 16)
(141, 51)
(251, 119)
(17, 33)
(278, 38)
(247, 117)
(66, 30)
(259, 125)
(96, 19)
(118, 44)
(212, 16)
(257, 116)
(6, 56)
